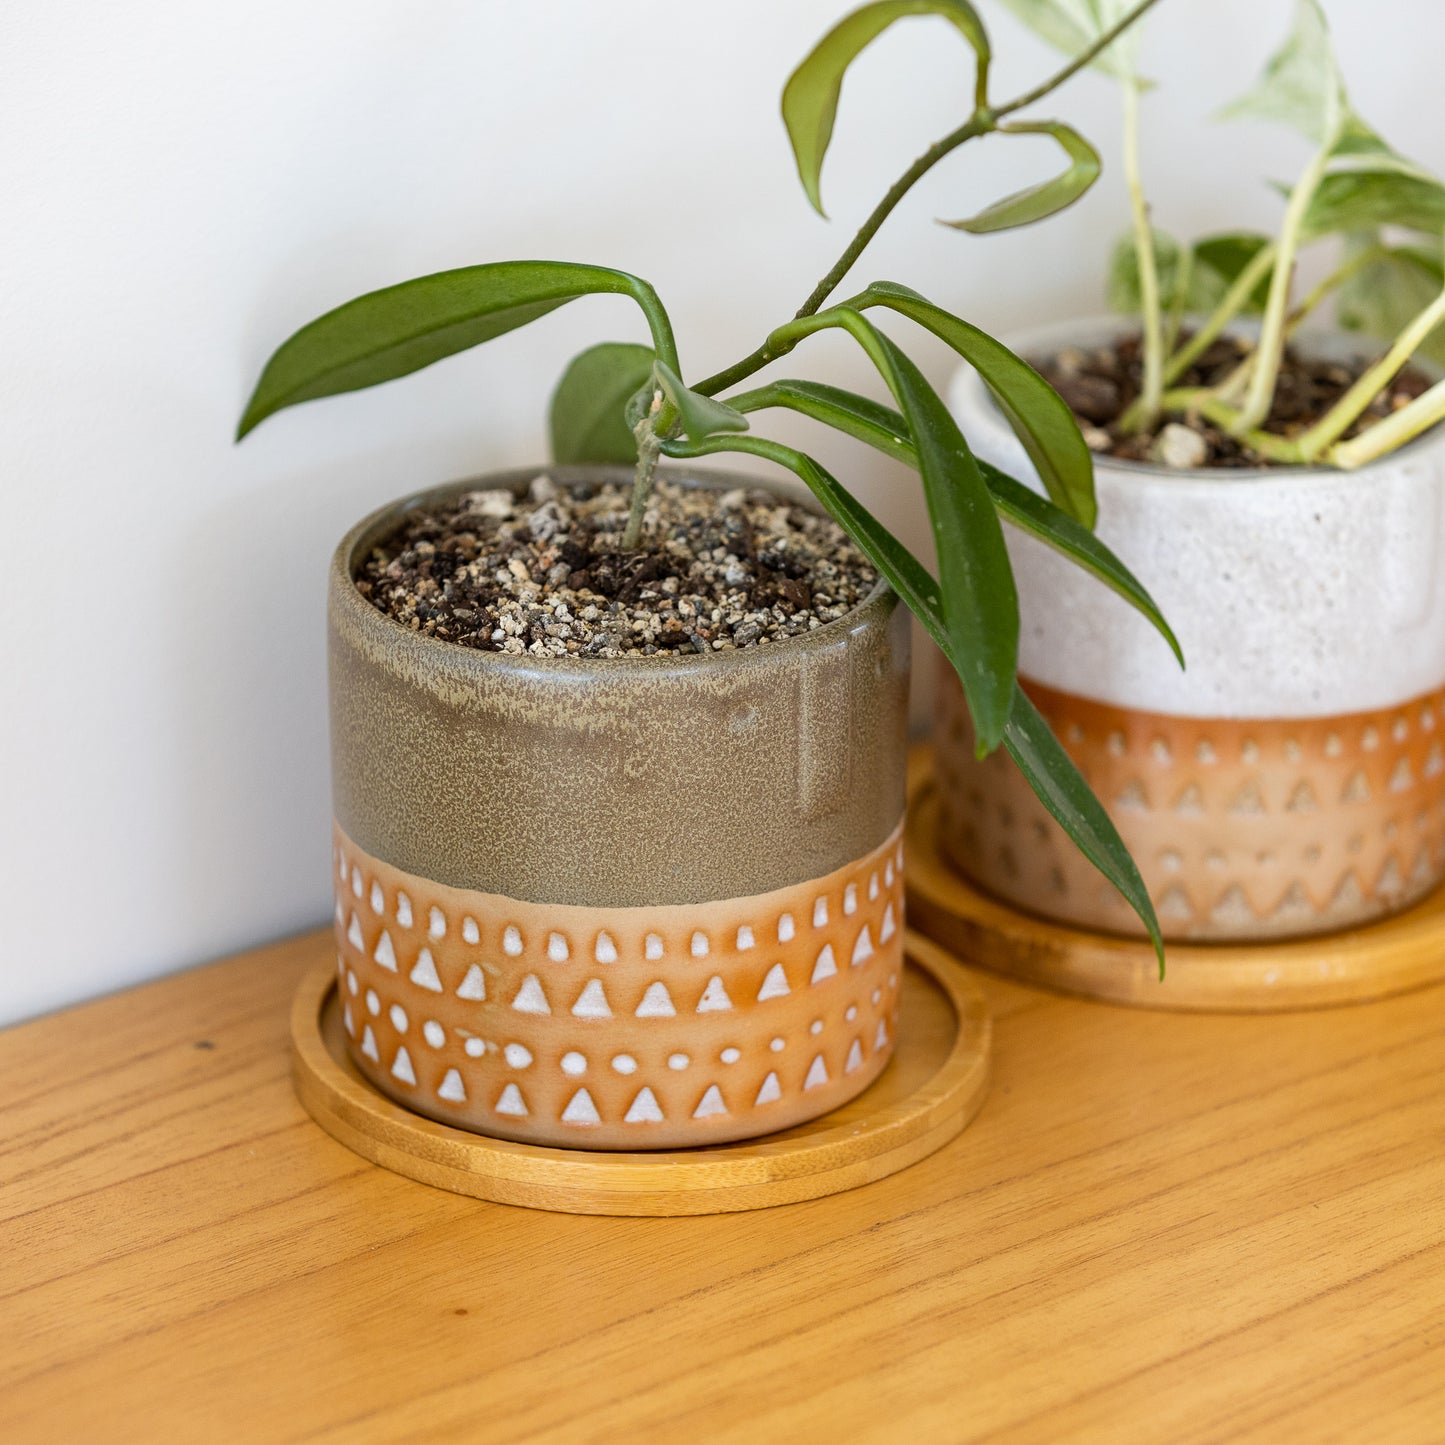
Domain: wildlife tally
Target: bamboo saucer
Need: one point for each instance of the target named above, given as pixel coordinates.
(1402, 952)
(930, 1090)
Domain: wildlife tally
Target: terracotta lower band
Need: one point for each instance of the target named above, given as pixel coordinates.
(630, 1028)
(1241, 828)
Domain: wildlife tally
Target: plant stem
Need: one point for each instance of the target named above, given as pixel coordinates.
(648, 450)
(981, 122)
(1228, 308)
(1083, 58)
(1348, 409)
(1153, 320)
(1199, 400)
(1385, 436)
(1270, 351)
(1334, 280)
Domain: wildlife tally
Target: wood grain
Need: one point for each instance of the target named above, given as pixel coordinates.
(1183, 1227)
(933, 1086)
(1406, 951)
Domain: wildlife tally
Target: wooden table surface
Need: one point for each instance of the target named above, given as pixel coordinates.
(1160, 1228)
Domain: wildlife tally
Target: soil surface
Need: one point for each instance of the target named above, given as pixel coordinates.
(542, 573)
(1100, 385)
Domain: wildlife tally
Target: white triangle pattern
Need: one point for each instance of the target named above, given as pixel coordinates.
(512, 1102)
(368, 1045)
(656, 1003)
(817, 1074)
(581, 1110)
(385, 954)
(452, 1088)
(826, 966)
(711, 1103)
(401, 1067)
(644, 1109)
(424, 975)
(474, 985)
(855, 1058)
(714, 997)
(353, 935)
(592, 1002)
(863, 949)
(770, 1091)
(889, 927)
(530, 997)
(775, 985)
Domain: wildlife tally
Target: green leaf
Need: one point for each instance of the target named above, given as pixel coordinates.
(1037, 414)
(1206, 272)
(1301, 85)
(400, 329)
(1054, 527)
(885, 430)
(1219, 261)
(1061, 788)
(1047, 768)
(857, 416)
(587, 420)
(701, 415)
(1125, 294)
(1073, 25)
(1387, 294)
(1359, 199)
(810, 98)
(980, 604)
(1035, 203)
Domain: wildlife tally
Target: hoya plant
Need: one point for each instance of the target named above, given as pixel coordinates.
(637, 403)
(1383, 215)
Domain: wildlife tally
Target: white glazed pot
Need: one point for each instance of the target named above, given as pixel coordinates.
(1292, 780)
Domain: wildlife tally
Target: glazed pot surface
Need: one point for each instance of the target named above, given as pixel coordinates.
(1291, 780)
(617, 903)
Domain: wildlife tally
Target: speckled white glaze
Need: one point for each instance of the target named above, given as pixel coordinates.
(1307, 593)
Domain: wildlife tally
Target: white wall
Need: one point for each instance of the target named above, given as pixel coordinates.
(184, 184)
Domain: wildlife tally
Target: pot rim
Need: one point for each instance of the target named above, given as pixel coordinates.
(350, 607)
(969, 391)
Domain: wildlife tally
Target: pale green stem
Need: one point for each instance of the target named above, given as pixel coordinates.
(1332, 282)
(1153, 322)
(1385, 436)
(1264, 375)
(1202, 402)
(1352, 405)
(1229, 307)
(1183, 277)
(648, 451)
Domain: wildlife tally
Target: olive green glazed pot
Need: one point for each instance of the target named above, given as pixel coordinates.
(616, 903)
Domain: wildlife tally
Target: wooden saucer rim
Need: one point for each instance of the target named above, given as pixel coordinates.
(1393, 955)
(806, 1162)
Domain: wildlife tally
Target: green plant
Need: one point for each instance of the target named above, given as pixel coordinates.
(1384, 214)
(627, 402)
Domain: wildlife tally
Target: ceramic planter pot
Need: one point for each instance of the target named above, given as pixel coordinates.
(623, 903)
(1292, 780)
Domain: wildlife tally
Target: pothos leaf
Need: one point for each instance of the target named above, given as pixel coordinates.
(587, 420)
(1035, 203)
(1301, 85)
(1212, 266)
(810, 98)
(1073, 25)
(1387, 294)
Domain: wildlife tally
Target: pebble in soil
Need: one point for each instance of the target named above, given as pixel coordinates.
(1101, 384)
(543, 572)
